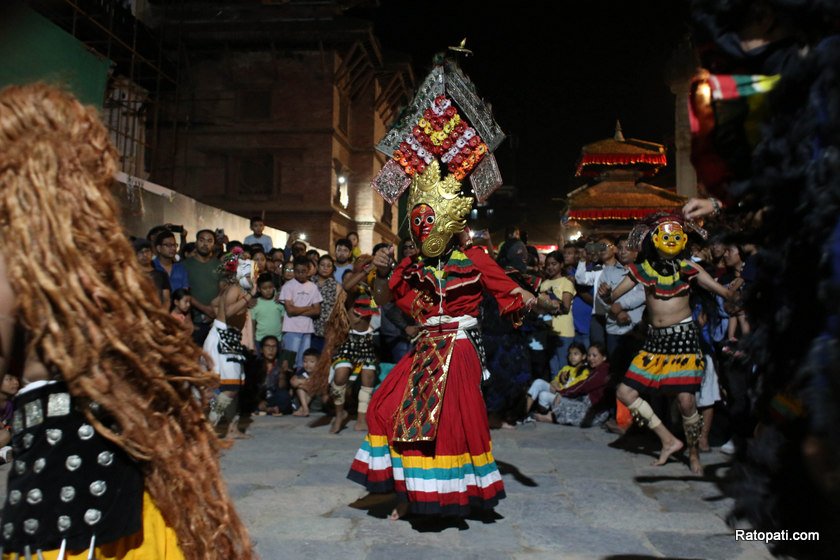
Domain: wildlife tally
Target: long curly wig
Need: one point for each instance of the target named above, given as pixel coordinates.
(82, 302)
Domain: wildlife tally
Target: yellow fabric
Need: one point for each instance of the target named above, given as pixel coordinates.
(576, 375)
(562, 325)
(436, 462)
(653, 364)
(155, 541)
(444, 461)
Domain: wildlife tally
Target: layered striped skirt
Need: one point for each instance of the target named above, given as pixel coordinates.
(447, 476)
(670, 361)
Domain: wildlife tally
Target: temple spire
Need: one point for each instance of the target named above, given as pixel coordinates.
(619, 137)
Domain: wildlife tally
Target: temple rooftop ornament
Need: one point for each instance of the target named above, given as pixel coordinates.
(646, 158)
(462, 48)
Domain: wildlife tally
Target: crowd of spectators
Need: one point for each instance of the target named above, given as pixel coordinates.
(561, 367)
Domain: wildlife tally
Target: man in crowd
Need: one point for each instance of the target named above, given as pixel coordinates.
(605, 249)
(163, 291)
(203, 276)
(624, 314)
(343, 252)
(166, 248)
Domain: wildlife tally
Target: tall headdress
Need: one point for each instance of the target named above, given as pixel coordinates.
(446, 127)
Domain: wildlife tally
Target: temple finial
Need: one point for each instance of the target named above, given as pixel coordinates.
(462, 48)
(618, 135)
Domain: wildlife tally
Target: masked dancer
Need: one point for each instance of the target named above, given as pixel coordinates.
(428, 436)
(670, 362)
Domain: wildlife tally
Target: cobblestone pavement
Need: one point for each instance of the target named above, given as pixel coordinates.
(570, 495)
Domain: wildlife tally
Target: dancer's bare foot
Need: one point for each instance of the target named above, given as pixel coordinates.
(338, 421)
(694, 462)
(400, 511)
(360, 425)
(236, 434)
(300, 412)
(668, 450)
(506, 426)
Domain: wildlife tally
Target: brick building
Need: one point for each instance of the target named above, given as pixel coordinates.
(276, 113)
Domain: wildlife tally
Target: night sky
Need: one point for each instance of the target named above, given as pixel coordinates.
(557, 74)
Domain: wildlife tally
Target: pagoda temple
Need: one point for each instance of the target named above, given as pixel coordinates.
(615, 196)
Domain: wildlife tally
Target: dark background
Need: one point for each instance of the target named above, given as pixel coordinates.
(557, 74)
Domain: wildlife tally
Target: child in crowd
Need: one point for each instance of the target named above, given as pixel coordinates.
(560, 292)
(356, 251)
(302, 300)
(258, 226)
(278, 400)
(582, 403)
(180, 308)
(542, 392)
(298, 381)
(267, 313)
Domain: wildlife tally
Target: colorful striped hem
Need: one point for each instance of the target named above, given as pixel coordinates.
(677, 376)
(443, 485)
(669, 385)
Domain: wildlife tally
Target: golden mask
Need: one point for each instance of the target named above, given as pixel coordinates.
(439, 209)
(669, 238)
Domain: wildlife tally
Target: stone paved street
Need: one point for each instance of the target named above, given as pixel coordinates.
(570, 496)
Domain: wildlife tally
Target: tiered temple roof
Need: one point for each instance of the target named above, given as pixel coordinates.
(616, 164)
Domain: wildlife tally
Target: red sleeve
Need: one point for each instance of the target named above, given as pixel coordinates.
(495, 281)
(397, 284)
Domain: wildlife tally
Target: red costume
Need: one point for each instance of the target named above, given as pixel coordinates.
(428, 436)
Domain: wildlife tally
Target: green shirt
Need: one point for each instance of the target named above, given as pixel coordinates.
(268, 316)
(204, 279)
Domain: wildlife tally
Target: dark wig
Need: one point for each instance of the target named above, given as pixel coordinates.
(786, 478)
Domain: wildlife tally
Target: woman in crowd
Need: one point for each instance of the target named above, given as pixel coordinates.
(329, 289)
(582, 403)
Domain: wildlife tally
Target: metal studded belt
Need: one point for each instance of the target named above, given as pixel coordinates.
(672, 329)
(69, 487)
